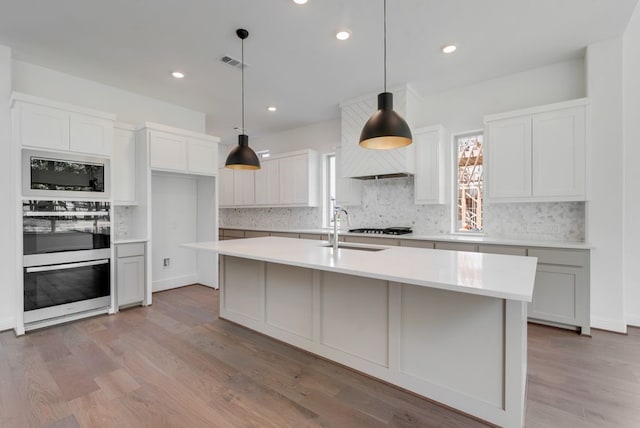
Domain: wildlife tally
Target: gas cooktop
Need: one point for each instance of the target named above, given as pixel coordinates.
(385, 231)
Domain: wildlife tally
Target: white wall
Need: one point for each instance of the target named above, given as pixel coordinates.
(631, 198)
(174, 222)
(7, 190)
(127, 106)
(604, 210)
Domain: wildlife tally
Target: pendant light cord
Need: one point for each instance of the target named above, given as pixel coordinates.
(385, 43)
(242, 69)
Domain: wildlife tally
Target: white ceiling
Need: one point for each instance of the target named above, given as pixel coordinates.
(294, 60)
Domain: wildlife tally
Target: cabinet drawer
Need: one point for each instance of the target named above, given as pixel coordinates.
(255, 233)
(559, 256)
(416, 244)
(129, 250)
(313, 236)
(502, 249)
(232, 233)
(455, 246)
(285, 234)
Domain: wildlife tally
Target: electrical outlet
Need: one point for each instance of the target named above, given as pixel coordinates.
(166, 262)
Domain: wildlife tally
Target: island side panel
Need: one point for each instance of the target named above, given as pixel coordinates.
(465, 351)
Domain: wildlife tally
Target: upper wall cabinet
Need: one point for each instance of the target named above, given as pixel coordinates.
(360, 162)
(286, 180)
(537, 154)
(429, 177)
(124, 165)
(56, 126)
(183, 151)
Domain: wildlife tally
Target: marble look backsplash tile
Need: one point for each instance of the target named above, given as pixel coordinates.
(389, 202)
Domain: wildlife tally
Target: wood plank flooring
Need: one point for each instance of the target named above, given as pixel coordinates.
(175, 364)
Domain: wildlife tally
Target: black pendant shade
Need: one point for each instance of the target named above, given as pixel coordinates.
(242, 157)
(386, 129)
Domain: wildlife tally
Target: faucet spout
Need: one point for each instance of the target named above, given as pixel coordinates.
(337, 210)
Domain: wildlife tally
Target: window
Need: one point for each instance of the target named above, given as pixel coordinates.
(469, 183)
(329, 188)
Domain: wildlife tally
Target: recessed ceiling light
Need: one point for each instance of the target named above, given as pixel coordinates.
(272, 108)
(449, 49)
(299, 1)
(343, 35)
(178, 74)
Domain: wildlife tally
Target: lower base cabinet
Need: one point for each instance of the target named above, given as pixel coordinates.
(130, 274)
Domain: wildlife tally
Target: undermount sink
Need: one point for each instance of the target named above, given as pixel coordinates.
(355, 247)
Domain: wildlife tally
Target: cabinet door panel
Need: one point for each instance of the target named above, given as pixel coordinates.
(554, 294)
(559, 153)
(124, 166)
(44, 127)
(91, 135)
(294, 180)
(130, 278)
(429, 166)
(508, 155)
(243, 187)
(202, 156)
(267, 182)
(168, 151)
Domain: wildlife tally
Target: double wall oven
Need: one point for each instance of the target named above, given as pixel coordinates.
(67, 257)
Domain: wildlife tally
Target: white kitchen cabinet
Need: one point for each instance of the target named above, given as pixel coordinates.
(225, 187)
(167, 151)
(43, 127)
(561, 292)
(124, 166)
(61, 127)
(508, 158)
(130, 270)
(267, 183)
(559, 153)
(90, 134)
(430, 161)
(243, 187)
(456, 246)
(294, 188)
(537, 154)
(348, 190)
(202, 156)
(182, 151)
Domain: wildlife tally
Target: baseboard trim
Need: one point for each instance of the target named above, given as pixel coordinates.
(7, 324)
(169, 283)
(618, 326)
(633, 321)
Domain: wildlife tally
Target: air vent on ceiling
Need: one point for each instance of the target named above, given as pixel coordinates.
(232, 61)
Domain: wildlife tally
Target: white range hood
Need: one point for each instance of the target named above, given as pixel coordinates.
(358, 162)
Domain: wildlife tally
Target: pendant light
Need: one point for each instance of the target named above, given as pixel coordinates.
(386, 129)
(242, 157)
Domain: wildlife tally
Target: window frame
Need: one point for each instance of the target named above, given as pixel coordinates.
(327, 204)
(454, 180)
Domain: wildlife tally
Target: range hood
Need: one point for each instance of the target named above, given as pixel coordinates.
(366, 164)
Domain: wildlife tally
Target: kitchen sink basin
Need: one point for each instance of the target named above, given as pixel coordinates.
(355, 247)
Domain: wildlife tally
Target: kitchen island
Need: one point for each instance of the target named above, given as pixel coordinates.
(447, 325)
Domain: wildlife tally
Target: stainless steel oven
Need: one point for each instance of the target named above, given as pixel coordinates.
(67, 257)
(62, 175)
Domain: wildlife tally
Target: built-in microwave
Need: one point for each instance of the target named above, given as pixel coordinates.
(64, 175)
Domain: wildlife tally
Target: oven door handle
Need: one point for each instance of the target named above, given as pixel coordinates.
(66, 266)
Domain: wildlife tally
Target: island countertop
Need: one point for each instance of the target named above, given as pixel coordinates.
(492, 275)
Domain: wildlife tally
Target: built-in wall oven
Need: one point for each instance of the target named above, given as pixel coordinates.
(67, 257)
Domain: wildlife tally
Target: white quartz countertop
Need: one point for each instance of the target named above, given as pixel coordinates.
(493, 275)
(473, 239)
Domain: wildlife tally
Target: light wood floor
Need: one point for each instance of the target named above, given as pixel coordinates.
(175, 364)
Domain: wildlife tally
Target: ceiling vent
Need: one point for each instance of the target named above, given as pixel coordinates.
(232, 62)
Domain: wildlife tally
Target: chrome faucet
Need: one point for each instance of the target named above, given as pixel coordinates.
(337, 210)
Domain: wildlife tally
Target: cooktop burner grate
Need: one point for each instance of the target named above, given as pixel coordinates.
(383, 231)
